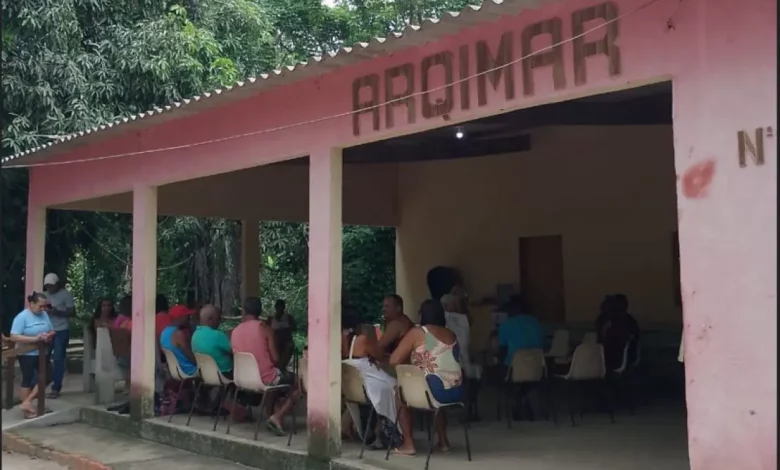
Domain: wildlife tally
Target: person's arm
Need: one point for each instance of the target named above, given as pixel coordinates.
(224, 344)
(291, 322)
(370, 348)
(70, 306)
(391, 334)
(404, 350)
(17, 332)
(180, 341)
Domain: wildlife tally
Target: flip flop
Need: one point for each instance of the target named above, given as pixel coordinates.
(274, 428)
(29, 414)
(402, 454)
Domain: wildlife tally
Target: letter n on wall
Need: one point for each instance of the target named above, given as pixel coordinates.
(747, 146)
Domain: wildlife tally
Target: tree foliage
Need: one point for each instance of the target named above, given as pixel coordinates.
(69, 65)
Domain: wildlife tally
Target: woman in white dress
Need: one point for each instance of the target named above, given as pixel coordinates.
(362, 353)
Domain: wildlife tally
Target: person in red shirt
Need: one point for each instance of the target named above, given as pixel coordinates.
(161, 319)
(255, 336)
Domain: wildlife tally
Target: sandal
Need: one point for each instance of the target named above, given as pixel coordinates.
(396, 451)
(274, 428)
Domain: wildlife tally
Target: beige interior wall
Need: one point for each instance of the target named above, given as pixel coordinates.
(273, 192)
(609, 191)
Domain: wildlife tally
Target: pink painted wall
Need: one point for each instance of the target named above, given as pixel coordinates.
(722, 57)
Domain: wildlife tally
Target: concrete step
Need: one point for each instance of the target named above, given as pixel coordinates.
(82, 446)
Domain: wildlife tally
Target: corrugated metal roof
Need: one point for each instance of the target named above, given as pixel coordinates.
(411, 36)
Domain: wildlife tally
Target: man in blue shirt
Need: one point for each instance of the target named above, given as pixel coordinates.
(520, 330)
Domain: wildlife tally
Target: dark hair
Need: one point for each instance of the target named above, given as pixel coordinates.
(161, 303)
(516, 306)
(399, 302)
(621, 302)
(350, 319)
(253, 306)
(126, 305)
(432, 313)
(36, 297)
(97, 312)
(280, 307)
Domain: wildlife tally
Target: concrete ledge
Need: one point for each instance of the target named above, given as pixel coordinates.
(14, 443)
(251, 454)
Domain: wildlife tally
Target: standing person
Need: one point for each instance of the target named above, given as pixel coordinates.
(459, 323)
(32, 325)
(397, 324)
(62, 309)
(283, 326)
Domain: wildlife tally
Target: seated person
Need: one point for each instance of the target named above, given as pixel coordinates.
(210, 341)
(434, 349)
(284, 326)
(396, 323)
(256, 337)
(177, 337)
(161, 318)
(615, 328)
(362, 353)
(520, 330)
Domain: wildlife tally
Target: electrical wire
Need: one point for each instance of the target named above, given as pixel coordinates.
(347, 113)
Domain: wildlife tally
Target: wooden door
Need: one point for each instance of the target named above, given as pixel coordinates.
(541, 277)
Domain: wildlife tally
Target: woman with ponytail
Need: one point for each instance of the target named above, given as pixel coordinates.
(32, 325)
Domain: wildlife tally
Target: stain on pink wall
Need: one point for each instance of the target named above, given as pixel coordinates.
(722, 58)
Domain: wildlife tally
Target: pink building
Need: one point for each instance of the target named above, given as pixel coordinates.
(221, 154)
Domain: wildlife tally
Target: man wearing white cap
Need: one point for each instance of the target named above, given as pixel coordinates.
(62, 308)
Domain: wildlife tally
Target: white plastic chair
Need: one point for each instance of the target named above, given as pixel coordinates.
(353, 390)
(527, 367)
(587, 365)
(211, 375)
(590, 337)
(246, 376)
(107, 373)
(415, 394)
(560, 344)
(174, 368)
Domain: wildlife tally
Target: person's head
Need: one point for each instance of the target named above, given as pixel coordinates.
(451, 303)
(104, 309)
(393, 306)
(51, 283)
(210, 316)
(608, 305)
(432, 313)
(180, 315)
(349, 319)
(252, 309)
(38, 303)
(279, 307)
(516, 306)
(621, 303)
(160, 303)
(126, 305)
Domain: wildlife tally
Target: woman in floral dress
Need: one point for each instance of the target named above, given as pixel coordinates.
(434, 349)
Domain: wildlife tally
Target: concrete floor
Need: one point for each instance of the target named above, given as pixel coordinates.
(13, 461)
(654, 438)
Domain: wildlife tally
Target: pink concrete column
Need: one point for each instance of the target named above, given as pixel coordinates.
(250, 258)
(725, 125)
(324, 380)
(144, 291)
(36, 248)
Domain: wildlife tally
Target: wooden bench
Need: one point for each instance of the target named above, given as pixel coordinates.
(10, 354)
